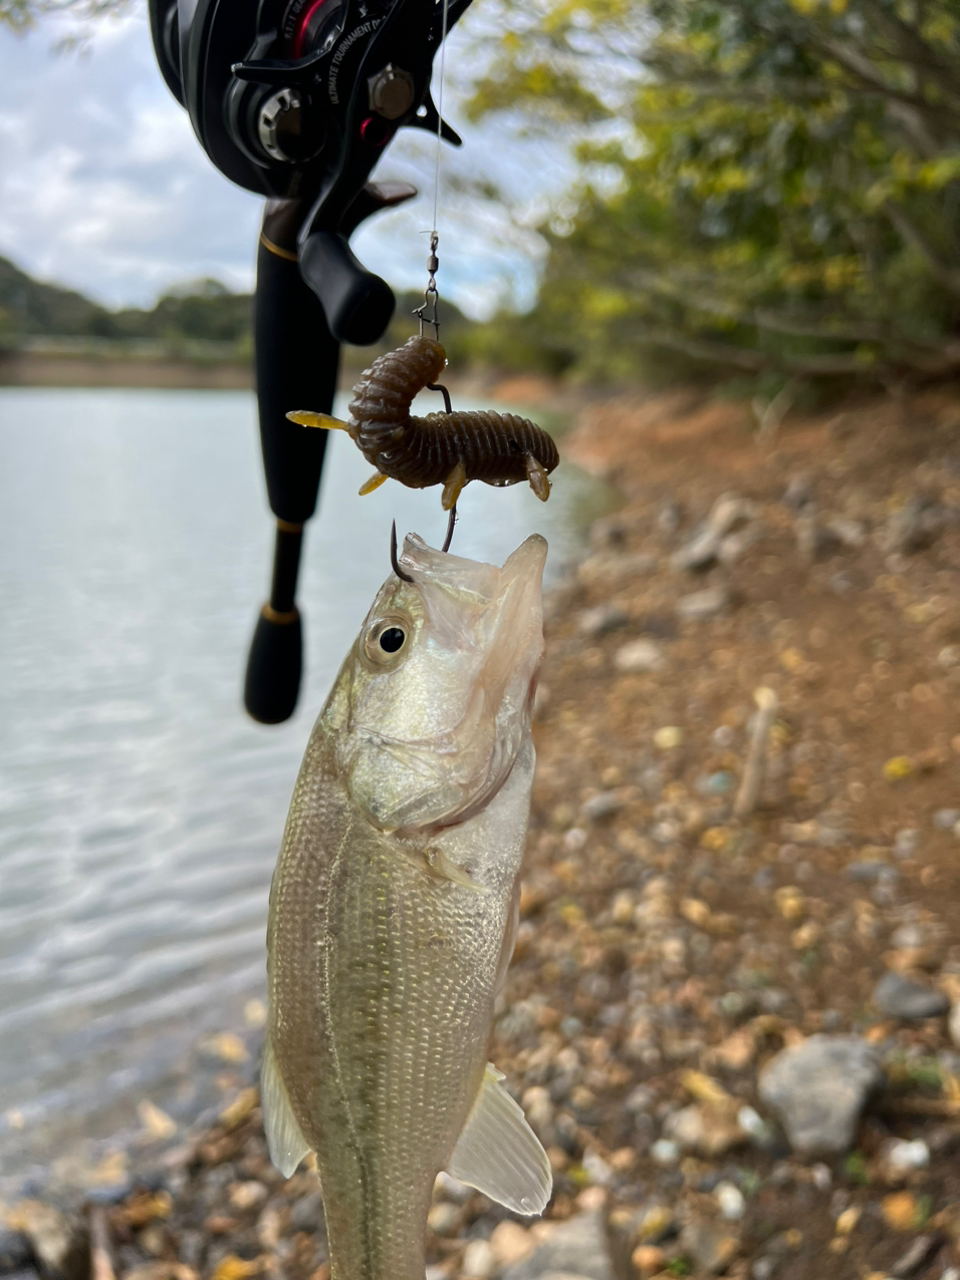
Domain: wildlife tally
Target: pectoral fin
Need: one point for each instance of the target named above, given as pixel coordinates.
(440, 865)
(286, 1143)
(498, 1152)
(307, 418)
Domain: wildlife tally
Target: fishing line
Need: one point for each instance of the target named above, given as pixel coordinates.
(431, 299)
(436, 175)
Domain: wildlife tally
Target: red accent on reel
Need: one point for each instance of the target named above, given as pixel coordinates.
(300, 37)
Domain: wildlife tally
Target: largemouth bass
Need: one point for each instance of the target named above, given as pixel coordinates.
(393, 912)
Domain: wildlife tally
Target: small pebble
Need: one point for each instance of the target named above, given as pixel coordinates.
(906, 842)
(668, 737)
(902, 1157)
(639, 656)
(901, 1210)
(665, 1152)
(478, 1260)
(698, 606)
(731, 1201)
(601, 620)
(946, 819)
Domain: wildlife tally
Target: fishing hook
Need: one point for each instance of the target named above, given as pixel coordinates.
(451, 525)
(404, 577)
(438, 386)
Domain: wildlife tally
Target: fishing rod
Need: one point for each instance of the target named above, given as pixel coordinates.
(296, 100)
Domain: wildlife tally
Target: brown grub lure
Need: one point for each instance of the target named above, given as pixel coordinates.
(450, 448)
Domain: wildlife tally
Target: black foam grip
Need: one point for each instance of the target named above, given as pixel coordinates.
(272, 682)
(358, 304)
(297, 361)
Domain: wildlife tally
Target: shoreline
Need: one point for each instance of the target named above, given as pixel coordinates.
(676, 960)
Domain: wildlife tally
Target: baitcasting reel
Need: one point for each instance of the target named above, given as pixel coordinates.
(296, 100)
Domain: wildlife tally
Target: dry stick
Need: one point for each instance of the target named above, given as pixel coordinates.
(101, 1260)
(746, 801)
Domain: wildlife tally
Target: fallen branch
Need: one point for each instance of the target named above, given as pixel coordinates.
(753, 773)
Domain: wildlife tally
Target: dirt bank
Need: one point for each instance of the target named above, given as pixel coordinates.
(729, 1015)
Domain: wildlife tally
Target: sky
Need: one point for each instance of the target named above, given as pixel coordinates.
(105, 189)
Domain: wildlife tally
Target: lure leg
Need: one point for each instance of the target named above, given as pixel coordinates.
(375, 481)
(539, 480)
(306, 418)
(456, 481)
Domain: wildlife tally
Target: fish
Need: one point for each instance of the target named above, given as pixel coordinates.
(394, 908)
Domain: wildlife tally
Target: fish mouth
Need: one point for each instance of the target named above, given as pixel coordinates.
(445, 777)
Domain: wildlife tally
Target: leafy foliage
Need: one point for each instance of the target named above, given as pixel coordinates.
(768, 184)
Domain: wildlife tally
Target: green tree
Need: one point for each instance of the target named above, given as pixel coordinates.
(768, 184)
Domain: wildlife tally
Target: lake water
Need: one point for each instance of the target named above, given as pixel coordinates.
(140, 809)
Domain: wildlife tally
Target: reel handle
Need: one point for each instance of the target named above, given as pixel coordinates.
(358, 304)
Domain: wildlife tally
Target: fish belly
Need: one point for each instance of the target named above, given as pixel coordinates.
(382, 981)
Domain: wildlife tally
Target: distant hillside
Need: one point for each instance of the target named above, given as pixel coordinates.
(198, 312)
(29, 307)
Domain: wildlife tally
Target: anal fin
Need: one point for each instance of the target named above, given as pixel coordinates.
(498, 1152)
(287, 1144)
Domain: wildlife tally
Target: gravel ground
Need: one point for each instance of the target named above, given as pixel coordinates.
(733, 1015)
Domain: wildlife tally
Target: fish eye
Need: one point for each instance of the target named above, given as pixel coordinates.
(385, 642)
(392, 638)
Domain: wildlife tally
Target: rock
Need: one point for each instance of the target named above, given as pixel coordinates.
(444, 1218)
(15, 1251)
(647, 1260)
(901, 1158)
(917, 1256)
(701, 551)
(949, 657)
(307, 1213)
(711, 1247)
(700, 605)
(901, 1211)
(639, 655)
(704, 1130)
(946, 819)
(953, 1023)
(664, 1151)
(608, 531)
(814, 540)
(906, 842)
(799, 491)
(871, 871)
(603, 805)
(478, 1260)
(668, 737)
(736, 545)
(599, 621)
(577, 1247)
(511, 1243)
(731, 1201)
(896, 996)
(916, 525)
(52, 1236)
(851, 533)
(818, 1089)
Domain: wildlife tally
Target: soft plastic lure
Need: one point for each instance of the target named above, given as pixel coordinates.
(449, 448)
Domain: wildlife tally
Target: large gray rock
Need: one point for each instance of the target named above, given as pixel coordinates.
(898, 997)
(576, 1248)
(728, 512)
(818, 1090)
